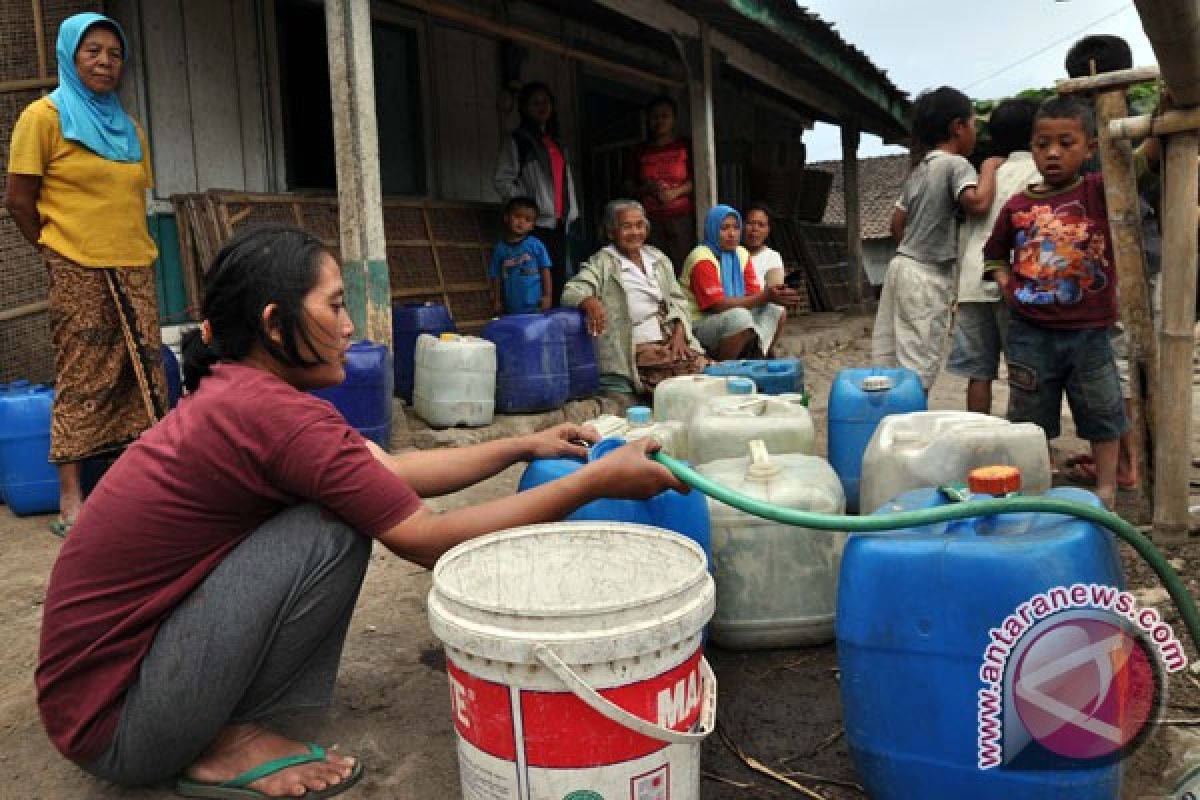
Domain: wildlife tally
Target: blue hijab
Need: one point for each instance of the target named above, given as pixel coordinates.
(732, 280)
(96, 121)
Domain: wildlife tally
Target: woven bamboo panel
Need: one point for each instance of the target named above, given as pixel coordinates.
(25, 350)
(436, 251)
(11, 106)
(403, 223)
(23, 279)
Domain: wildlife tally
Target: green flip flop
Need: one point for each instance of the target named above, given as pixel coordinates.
(60, 528)
(237, 788)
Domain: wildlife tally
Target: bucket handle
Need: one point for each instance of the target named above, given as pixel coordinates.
(600, 704)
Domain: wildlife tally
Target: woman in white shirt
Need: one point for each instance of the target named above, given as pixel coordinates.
(768, 264)
(634, 306)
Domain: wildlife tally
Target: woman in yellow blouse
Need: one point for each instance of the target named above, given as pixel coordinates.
(78, 173)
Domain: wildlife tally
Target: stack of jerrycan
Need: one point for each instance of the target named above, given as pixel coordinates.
(776, 584)
(364, 398)
(771, 376)
(28, 481)
(858, 400)
(926, 449)
(409, 321)
(454, 381)
(531, 363)
(918, 614)
(686, 514)
(677, 399)
(722, 426)
(582, 369)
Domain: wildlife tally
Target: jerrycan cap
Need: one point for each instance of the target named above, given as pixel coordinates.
(877, 383)
(761, 470)
(638, 415)
(740, 386)
(996, 480)
(449, 337)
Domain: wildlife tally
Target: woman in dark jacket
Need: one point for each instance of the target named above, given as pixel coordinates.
(533, 162)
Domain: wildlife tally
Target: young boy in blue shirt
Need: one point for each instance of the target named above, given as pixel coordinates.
(1051, 254)
(520, 268)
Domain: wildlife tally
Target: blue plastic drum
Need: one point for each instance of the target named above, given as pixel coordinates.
(581, 352)
(770, 376)
(686, 514)
(28, 481)
(858, 400)
(364, 398)
(410, 320)
(915, 613)
(531, 363)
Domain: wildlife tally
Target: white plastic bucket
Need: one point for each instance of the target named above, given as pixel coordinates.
(575, 664)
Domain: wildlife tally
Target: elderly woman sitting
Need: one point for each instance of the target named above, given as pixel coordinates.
(634, 306)
(734, 317)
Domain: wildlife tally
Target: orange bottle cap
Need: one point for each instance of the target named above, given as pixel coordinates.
(998, 480)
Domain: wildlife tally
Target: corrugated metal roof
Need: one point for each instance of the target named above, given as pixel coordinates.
(803, 43)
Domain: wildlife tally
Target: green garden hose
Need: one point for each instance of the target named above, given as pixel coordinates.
(881, 523)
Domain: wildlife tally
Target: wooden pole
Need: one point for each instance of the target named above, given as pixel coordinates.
(24, 311)
(39, 37)
(856, 270)
(1117, 79)
(697, 60)
(1187, 119)
(356, 152)
(1124, 222)
(1173, 464)
(1173, 28)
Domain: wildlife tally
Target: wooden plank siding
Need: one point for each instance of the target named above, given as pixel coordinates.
(200, 71)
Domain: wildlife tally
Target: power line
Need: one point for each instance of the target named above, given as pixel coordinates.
(1124, 7)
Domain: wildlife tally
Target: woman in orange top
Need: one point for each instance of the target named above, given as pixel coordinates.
(78, 171)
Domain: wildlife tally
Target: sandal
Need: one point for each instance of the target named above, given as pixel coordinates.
(237, 788)
(60, 527)
(1084, 473)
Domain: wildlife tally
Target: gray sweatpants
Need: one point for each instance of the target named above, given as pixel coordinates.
(261, 635)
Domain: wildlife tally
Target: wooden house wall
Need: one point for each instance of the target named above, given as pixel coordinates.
(197, 82)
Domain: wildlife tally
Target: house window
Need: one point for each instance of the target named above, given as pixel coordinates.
(307, 108)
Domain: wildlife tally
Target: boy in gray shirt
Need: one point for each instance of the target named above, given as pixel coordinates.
(912, 322)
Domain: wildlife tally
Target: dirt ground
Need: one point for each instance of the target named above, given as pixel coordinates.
(392, 705)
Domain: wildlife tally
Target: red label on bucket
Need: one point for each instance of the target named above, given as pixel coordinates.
(558, 730)
(482, 713)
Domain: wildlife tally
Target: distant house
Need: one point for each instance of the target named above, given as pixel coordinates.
(879, 182)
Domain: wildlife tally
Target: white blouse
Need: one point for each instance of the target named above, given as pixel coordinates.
(644, 296)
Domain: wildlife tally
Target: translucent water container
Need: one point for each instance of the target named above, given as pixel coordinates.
(686, 514)
(722, 426)
(672, 434)
(531, 363)
(914, 614)
(409, 321)
(454, 380)
(776, 584)
(364, 397)
(771, 375)
(933, 448)
(858, 399)
(582, 368)
(678, 398)
(28, 481)
(609, 426)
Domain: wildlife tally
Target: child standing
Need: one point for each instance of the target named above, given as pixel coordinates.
(982, 319)
(914, 308)
(520, 268)
(1051, 254)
